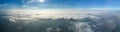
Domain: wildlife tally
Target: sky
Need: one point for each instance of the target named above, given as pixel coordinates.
(59, 4)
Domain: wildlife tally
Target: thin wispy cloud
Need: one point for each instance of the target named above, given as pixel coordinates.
(103, 4)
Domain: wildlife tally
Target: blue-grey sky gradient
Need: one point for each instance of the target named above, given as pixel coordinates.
(4, 4)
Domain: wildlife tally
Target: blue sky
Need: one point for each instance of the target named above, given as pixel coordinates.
(6, 4)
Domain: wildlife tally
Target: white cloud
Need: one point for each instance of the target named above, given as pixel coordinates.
(82, 27)
(54, 13)
(31, 1)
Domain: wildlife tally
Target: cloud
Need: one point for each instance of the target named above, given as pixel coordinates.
(31, 1)
(97, 18)
(56, 13)
(82, 27)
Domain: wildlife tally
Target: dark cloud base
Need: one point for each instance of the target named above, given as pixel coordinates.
(105, 23)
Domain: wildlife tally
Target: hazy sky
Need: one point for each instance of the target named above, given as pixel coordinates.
(7, 4)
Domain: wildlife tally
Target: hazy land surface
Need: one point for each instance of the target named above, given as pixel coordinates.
(60, 21)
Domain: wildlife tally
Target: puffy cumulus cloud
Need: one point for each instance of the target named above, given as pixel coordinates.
(59, 20)
(82, 27)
